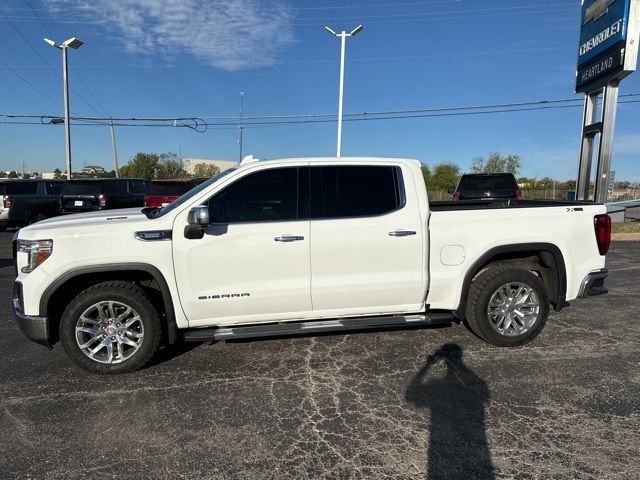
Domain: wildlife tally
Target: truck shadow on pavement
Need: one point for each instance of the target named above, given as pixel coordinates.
(6, 262)
(456, 399)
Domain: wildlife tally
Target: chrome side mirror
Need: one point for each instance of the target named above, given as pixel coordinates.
(199, 216)
(197, 219)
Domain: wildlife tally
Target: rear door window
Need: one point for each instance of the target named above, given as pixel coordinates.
(22, 188)
(355, 191)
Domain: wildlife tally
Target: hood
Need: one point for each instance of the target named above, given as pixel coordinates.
(100, 218)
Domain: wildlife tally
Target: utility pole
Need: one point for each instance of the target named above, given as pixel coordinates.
(64, 46)
(343, 41)
(240, 140)
(114, 151)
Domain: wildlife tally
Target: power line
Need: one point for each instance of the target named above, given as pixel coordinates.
(273, 120)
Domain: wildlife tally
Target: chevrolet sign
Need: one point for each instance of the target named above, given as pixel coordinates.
(596, 10)
(608, 42)
(603, 25)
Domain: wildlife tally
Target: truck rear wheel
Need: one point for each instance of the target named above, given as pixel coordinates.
(111, 327)
(507, 306)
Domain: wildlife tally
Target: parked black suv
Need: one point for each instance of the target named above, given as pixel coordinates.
(84, 195)
(23, 202)
(474, 186)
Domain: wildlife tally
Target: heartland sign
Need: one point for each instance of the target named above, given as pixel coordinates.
(608, 42)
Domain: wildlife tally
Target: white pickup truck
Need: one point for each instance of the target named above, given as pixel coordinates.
(300, 246)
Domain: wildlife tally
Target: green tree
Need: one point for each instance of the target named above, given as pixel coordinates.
(143, 165)
(426, 173)
(170, 167)
(3, 174)
(444, 177)
(13, 174)
(57, 173)
(496, 163)
(205, 170)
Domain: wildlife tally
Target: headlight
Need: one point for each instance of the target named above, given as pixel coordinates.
(37, 252)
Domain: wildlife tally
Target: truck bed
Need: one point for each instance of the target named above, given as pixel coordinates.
(450, 205)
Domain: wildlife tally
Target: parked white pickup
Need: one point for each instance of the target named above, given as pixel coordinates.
(298, 246)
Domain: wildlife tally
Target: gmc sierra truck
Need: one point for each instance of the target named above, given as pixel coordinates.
(298, 246)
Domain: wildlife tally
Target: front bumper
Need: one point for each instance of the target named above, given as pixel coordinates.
(593, 284)
(34, 328)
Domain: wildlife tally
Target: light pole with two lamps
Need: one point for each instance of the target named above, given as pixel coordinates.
(75, 44)
(343, 40)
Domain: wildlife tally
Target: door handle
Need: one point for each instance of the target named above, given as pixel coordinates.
(401, 233)
(289, 238)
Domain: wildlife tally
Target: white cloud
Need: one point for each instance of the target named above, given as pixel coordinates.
(228, 34)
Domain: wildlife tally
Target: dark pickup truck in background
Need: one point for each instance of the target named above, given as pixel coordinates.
(23, 202)
(475, 186)
(102, 194)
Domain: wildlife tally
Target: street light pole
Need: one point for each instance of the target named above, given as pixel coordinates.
(113, 148)
(64, 46)
(343, 44)
(241, 123)
(67, 123)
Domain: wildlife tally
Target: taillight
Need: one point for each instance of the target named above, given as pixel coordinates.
(456, 195)
(102, 200)
(7, 201)
(602, 225)
(518, 193)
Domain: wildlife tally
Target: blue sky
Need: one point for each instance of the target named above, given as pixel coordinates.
(192, 58)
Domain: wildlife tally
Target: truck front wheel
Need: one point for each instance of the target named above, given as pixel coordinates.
(507, 306)
(111, 327)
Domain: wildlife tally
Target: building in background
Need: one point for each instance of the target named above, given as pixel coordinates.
(94, 170)
(189, 164)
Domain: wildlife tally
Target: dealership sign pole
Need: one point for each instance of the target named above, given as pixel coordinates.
(608, 52)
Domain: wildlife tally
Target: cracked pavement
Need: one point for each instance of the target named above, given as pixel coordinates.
(432, 403)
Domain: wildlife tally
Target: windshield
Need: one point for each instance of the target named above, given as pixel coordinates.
(193, 192)
(487, 182)
(76, 187)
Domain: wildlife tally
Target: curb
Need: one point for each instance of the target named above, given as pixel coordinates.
(625, 237)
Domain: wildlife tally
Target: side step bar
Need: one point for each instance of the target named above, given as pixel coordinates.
(317, 326)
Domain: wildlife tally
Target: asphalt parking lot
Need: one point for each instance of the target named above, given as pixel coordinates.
(422, 403)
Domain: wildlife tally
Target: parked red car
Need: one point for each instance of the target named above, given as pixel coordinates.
(163, 192)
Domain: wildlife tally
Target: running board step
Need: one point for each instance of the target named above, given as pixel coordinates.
(317, 326)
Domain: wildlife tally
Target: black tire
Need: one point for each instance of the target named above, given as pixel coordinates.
(36, 217)
(123, 293)
(484, 287)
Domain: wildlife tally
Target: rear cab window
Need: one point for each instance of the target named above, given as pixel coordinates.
(82, 187)
(488, 182)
